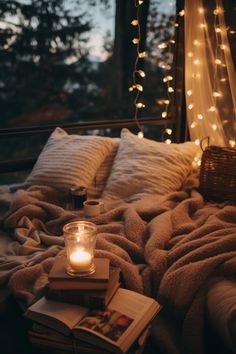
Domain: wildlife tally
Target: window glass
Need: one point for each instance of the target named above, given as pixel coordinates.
(66, 61)
(57, 60)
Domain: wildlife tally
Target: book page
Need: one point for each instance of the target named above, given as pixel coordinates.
(131, 303)
(125, 317)
(48, 312)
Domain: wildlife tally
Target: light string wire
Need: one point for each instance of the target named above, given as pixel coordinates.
(167, 79)
(216, 30)
(136, 65)
(139, 55)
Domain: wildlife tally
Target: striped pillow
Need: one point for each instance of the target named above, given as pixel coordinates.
(96, 188)
(143, 167)
(68, 160)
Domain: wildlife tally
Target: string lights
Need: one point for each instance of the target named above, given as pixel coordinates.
(204, 117)
(140, 74)
(137, 73)
(207, 76)
(168, 79)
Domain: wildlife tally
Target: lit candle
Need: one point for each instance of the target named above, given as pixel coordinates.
(80, 260)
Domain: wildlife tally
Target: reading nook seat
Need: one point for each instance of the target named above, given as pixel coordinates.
(169, 242)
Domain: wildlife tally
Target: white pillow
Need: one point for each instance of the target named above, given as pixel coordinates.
(68, 160)
(96, 188)
(142, 167)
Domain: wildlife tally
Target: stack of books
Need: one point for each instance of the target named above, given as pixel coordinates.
(91, 314)
(93, 291)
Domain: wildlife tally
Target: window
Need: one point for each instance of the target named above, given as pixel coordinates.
(72, 61)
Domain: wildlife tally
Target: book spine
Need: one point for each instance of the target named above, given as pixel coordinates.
(77, 299)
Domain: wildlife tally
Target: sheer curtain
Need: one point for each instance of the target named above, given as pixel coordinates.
(210, 79)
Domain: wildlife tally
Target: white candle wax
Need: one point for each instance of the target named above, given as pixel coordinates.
(80, 260)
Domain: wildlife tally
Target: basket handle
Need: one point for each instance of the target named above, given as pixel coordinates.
(202, 140)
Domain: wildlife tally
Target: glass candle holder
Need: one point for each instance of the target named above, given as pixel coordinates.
(80, 241)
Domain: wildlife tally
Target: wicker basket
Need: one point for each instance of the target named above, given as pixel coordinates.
(217, 180)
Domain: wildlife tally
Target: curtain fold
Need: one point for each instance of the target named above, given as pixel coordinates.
(210, 78)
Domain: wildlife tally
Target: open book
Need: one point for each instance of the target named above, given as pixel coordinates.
(45, 338)
(114, 329)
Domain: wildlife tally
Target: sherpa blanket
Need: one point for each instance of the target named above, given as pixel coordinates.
(167, 247)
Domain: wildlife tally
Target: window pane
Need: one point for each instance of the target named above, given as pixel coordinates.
(57, 60)
(65, 61)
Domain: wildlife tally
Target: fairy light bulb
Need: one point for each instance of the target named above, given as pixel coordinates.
(193, 125)
(223, 46)
(232, 143)
(134, 22)
(139, 87)
(168, 131)
(197, 142)
(170, 89)
(140, 134)
(162, 45)
(140, 105)
(181, 13)
(190, 106)
(164, 114)
(218, 61)
(214, 127)
(216, 94)
(196, 42)
(141, 54)
(212, 109)
(200, 116)
(190, 54)
(167, 78)
(141, 73)
(168, 141)
(189, 92)
(135, 40)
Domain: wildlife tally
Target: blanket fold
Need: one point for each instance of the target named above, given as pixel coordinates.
(167, 247)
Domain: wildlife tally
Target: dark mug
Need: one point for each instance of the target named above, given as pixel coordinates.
(78, 196)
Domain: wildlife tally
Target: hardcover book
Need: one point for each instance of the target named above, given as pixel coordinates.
(88, 298)
(45, 338)
(59, 279)
(114, 329)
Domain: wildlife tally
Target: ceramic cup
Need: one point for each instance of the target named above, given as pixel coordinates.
(93, 208)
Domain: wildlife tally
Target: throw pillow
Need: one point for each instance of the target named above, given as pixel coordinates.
(68, 160)
(143, 167)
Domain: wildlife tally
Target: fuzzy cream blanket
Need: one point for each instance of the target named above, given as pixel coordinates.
(167, 247)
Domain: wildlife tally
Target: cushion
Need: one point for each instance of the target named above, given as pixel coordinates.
(143, 167)
(96, 188)
(221, 303)
(68, 160)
